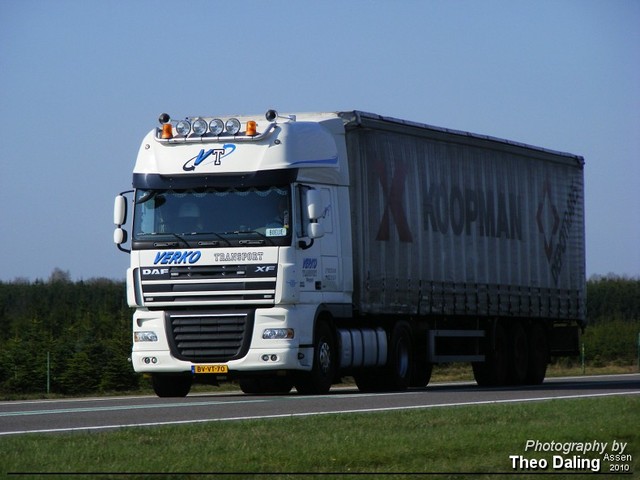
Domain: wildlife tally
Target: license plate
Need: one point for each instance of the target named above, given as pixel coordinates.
(209, 369)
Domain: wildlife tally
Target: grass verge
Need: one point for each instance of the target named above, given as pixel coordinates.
(434, 443)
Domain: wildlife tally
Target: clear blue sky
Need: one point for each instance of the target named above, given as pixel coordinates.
(81, 82)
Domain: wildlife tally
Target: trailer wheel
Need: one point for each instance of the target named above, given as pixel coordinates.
(320, 378)
(168, 385)
(518, 348)
(493, 371)
(538, 355)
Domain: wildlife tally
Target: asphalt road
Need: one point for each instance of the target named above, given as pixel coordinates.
(21, 417)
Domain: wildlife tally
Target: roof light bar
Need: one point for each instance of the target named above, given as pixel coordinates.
(196, 129)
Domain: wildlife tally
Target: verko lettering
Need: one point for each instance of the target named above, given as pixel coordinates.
(178, 257)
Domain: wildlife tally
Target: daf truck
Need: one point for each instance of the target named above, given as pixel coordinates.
(293, 250)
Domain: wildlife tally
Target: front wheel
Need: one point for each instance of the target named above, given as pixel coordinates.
(266, 386)
(171, 385)
(319, 380)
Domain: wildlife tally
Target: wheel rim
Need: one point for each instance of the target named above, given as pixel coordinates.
(324, 357)
(402, 362)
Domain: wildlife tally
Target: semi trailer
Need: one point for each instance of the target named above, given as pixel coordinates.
(292, 250)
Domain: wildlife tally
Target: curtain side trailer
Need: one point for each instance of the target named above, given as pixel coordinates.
(474, 244)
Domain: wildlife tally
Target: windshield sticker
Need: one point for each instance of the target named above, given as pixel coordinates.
(276, 232)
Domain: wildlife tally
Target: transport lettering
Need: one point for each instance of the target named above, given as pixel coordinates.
(238, 257)
(470, 211)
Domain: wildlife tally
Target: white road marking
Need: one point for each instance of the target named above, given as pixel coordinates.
(327, 412)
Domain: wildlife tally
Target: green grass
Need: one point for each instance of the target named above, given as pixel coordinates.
(448, 439)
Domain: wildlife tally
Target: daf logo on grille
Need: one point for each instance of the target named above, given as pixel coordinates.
(155, 271)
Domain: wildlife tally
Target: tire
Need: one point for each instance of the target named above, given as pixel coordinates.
(266, 385)
(518, 355)
(493, 371)
(401, 359)
(319, 380)
(168, 385)
(368, 382)
(538, 355)
(421, 374)
(398, 373)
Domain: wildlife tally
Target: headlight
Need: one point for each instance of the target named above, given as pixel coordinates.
(145, 337)
(232, 126)
(199, 127)
(278, 333)
(216, 126)
(183, 127)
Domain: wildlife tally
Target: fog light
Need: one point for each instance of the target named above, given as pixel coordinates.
(265, 358)
(274, 358)
(278, 333)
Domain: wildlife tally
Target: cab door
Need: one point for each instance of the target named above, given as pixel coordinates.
(319, 257)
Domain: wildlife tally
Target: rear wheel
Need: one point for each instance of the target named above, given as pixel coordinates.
(518, 349)
(421, 374)
(398, 373)
(171, 385)
(401, 360)
(323, 371)
(538, 355)
(493, 371)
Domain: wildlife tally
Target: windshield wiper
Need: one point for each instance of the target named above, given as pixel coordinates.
(166, 244)
(251, 242)
(146, 196)
(212, 242)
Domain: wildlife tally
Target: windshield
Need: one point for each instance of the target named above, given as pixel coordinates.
(212, 217)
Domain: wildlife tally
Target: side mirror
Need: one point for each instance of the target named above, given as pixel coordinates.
(120, 210)
(119, 236)
(314, 204)
(119, 219)
(315, 210)
(315, 230)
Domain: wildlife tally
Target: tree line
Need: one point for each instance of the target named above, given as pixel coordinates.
(67, 337)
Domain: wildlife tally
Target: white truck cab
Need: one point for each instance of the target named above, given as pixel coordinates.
(237, 248)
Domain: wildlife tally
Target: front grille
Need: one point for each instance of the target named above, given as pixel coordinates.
(209, 336)
(209, 285)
